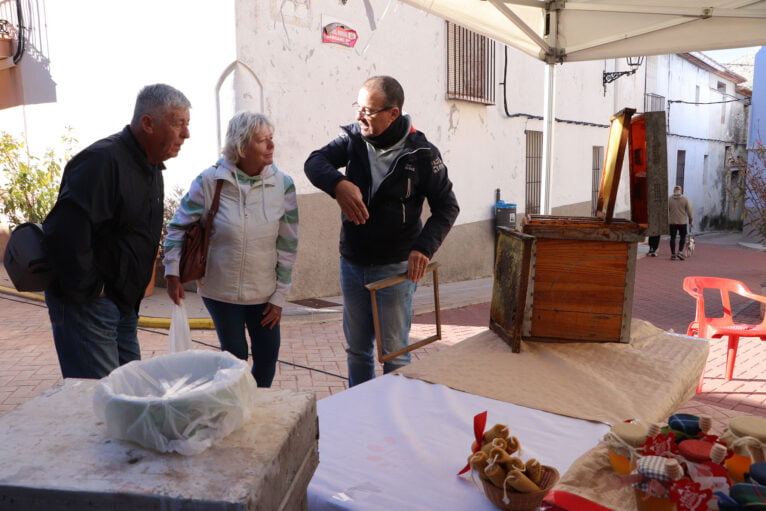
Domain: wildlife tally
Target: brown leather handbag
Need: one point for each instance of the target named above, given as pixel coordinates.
(196, 241)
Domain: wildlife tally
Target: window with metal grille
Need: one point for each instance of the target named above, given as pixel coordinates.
(470, 66)
(654, 103)
(596, 166)
(534, 171)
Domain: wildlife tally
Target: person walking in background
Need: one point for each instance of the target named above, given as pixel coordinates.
(103, 233)
(654, 244)
(391, 168)
(679, 209)
(253, 243)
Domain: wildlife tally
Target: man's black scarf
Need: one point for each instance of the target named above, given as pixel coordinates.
(393, 134)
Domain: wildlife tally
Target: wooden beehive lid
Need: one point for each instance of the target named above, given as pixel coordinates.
(588, 228)
(619, 129)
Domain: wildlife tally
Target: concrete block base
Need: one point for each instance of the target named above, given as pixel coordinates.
(55, 455)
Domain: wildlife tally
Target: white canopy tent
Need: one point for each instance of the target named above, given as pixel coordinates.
(558, 31)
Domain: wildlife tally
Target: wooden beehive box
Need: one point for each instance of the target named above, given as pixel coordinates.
(572, 278)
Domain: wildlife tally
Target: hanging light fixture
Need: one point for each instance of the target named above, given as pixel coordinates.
(633, 63)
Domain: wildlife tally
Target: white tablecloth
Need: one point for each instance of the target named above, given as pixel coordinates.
(396, 443)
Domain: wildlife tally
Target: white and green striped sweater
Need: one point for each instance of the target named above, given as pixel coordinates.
(254, 240)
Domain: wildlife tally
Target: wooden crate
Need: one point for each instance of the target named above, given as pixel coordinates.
(572, 278)
(584, 271)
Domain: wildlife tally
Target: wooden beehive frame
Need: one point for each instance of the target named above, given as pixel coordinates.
(619, 130)
(373, 287)
(511, 308)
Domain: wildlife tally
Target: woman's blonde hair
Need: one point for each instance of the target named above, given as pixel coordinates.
(241, 129)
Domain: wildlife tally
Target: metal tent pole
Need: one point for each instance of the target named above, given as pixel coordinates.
(548, 107)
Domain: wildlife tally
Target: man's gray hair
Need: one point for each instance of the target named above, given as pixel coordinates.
(156, 99)
(390, 88)
(241, 129)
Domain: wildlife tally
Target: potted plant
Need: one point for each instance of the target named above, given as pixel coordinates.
(6, 39)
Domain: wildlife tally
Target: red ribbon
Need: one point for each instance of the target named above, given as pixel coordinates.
(479, 423)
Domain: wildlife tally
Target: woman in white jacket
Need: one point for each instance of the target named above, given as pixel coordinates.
(253, 243)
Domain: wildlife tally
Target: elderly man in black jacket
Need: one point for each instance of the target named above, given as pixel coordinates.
(391, 168)
(103, 234)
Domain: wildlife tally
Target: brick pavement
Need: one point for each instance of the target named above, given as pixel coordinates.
(28, 362)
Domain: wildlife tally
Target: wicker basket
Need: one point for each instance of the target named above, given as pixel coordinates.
(522, 501)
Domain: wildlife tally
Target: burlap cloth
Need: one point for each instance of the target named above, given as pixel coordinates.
(649, 378)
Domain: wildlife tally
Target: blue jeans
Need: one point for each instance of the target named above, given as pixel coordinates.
(394, 312)
(230, 321)
(92, 338)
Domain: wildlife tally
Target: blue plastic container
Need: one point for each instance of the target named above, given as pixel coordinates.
(505, 214)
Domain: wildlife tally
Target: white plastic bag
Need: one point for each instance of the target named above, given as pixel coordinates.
(179, 337)
(183, 402)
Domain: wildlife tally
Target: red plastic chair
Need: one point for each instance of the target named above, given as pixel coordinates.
(713, 328)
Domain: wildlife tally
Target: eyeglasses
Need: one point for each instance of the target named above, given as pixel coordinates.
(365, 111)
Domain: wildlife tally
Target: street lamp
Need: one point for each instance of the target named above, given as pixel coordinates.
(633, 62)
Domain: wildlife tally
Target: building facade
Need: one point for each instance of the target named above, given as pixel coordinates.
(301, 63)
(707, 132)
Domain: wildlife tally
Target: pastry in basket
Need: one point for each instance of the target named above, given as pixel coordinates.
(498, 436)
(505, 460)
(513, 445)
(518, 481)
(496, 431)
(508, 481)
(478, 460)
(507, 472)
(534, 470)
(495, 474)
(499, 443)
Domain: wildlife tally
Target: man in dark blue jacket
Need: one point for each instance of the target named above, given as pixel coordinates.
(103, 234)
(391, 168)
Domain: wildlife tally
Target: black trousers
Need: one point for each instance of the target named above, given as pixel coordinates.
(679, 229)
(654, 243)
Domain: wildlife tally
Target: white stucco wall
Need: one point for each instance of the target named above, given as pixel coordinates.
(309, 86)
(99, 54)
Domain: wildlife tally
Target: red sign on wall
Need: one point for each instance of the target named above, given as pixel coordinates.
(339, 34)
